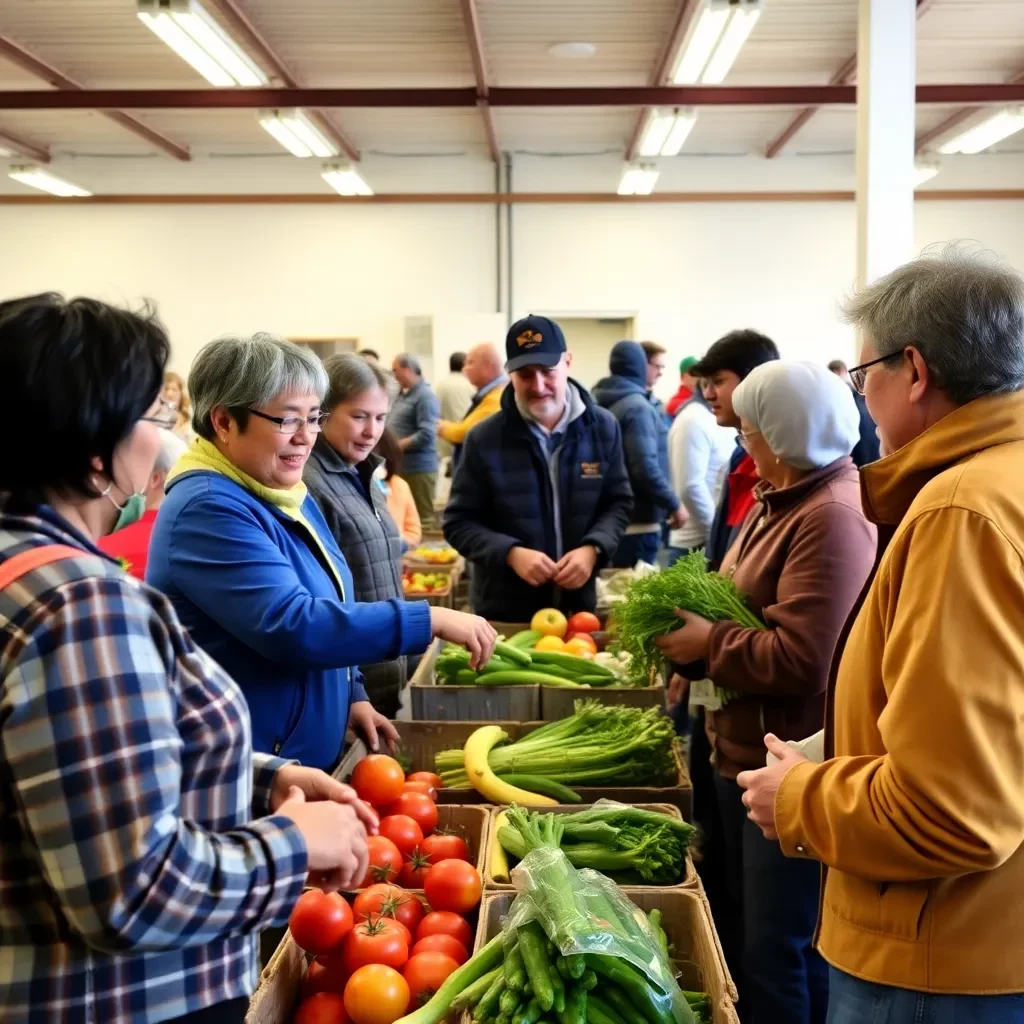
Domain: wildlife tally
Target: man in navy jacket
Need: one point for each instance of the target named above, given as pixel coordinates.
(540, 498)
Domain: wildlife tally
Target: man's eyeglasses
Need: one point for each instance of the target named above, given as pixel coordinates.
(166, 414)
(859, 374)
(293, 424)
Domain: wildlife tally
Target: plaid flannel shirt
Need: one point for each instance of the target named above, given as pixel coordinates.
(133, 876)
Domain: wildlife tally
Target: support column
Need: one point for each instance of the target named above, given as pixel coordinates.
(886, 71)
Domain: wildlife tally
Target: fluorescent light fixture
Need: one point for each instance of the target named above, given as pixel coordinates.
(925, 170)
(195, 37)
(572, 50)
(346, 180)
(638, 180)
(992, 130)
(715, 41)
(36, 177)
(666, 131)
(297, 133)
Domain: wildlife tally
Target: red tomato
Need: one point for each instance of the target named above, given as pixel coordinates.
(421, 787)
(385, 861)
(376, 994)
(378, 779)
(389, 901)
(444, 922)
(428, 777)
(441, 944)
(444, 846)
(452, 885)
(320, 920)
(414, 870)
(584, 640)
(322, 1008)
(377, 941)
(425, 974)
(324, 977)
(419, 807)
(403, 831)
(584, 622)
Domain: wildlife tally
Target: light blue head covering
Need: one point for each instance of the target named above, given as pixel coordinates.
(805, 413)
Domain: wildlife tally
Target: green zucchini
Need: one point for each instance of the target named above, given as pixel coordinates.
(472, 994)
(582, 666)
(515, 973)
(488, 1005)
(524, 639)
(542, 785)
(523, 677)
(532, 944)
(530, 1015)
(559, 988)
(508, 1002)
(510, 652)
(575, 1006)
(622, 1004)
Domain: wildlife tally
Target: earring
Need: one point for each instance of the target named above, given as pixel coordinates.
(778, 462)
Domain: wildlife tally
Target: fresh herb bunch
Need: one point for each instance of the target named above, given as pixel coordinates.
(649, 609)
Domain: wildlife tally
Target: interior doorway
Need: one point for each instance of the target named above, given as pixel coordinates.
(590, 339)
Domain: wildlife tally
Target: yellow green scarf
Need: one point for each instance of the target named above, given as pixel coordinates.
(202, 455)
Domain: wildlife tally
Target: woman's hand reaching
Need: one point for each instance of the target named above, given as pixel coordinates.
(477, 635)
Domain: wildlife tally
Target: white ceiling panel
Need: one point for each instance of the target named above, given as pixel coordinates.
(550, 129)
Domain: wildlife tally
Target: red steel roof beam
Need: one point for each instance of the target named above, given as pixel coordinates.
(476, 52)
(256, 43)
(21, 147)
(955, 120)
(29, 62)
(845, 75)
(685, 12)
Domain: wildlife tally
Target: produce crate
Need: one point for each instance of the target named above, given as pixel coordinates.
(690, 879)
(420, 741)
(556, 702)
(687, 923)
(433, 702)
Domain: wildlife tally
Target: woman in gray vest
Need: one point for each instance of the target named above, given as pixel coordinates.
(342, 476)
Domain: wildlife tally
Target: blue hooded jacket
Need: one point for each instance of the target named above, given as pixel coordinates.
(255, 595)
(644, 432)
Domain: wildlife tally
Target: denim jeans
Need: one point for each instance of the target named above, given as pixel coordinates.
(772, 911)
(852, 1001)
(636, 547)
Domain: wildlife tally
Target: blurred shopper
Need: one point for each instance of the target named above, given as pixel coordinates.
(341, 475)
(370, 355)
(244, 553)
(918, 811)
(454, 395)
(129, 544)
(176, 396)
(698, 453)
(400, 501)
(688, 385)
(868, 447)
(540, 497)
(657, 358)
(483, 371)
(144, 845)
(802, 556)
(645, 446)
(413, 421)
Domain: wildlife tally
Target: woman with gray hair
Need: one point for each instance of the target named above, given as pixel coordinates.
(801, 558)
(342, 475)
(248, 561)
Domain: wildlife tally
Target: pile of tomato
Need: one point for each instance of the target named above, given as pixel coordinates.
(385, 952)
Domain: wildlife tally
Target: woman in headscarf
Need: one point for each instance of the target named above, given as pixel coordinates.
(801, 559)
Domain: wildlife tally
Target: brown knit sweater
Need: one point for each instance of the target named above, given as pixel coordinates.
(801, 558)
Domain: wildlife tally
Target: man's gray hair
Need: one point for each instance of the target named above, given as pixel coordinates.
(241, 372)
(409, 362)
(962, 309)
(350, 375)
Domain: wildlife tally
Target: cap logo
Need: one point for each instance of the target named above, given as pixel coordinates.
(529, 339)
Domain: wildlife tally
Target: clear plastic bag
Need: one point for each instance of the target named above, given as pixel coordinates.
(585, 912)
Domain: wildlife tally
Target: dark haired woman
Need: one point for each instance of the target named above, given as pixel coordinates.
(143, 845)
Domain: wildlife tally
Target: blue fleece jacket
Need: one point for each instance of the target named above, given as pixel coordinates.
(256, 595)
(644, 432)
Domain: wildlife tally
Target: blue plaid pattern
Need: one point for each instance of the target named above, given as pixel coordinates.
(135, 866)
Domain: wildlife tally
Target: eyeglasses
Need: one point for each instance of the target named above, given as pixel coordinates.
(166, 415)
(859, 374)
(293, 424)
(741, 439)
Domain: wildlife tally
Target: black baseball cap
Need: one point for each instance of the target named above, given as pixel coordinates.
(533, 341)
(738, 351)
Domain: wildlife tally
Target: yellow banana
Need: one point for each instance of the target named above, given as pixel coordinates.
(497, 861)
(484, 781)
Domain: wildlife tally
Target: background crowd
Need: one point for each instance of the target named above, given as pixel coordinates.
(167, 744)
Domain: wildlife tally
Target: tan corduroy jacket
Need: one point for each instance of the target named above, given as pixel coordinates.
(919, 815)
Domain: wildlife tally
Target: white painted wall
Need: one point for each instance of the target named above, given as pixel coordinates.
(687, 272)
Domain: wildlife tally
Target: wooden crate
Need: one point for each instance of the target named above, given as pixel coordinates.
(556, 702)
(420, 741)
(686, 919)
(689, 880)
(443, 703)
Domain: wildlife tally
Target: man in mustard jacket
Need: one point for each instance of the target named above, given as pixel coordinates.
(482, 370)
(917, 812)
